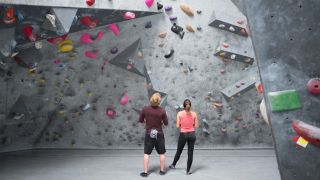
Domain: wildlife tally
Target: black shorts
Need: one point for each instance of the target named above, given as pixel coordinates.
(149, 143)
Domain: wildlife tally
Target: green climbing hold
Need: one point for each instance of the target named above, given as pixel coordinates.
(284, 100)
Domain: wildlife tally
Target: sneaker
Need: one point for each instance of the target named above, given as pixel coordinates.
(188, 172)
(172, 166)
(143, 174)
(162, 172)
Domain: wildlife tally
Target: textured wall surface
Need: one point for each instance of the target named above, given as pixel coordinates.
(286, 40)
(57, 94)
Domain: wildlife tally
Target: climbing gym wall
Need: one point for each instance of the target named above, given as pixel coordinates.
(286, 40)
(77, 76)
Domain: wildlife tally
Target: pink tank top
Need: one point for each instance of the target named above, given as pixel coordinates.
(186, 122)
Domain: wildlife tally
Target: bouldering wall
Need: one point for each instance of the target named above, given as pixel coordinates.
(286, 41)
(90, 96)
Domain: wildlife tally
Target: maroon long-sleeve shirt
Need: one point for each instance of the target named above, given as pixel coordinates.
(154, 116)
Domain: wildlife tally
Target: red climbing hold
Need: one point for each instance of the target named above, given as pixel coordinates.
(57, 40)
(314, 86)
(89, 22)
(111, 113)
(90, 2)
(307, 132)
(28, 32)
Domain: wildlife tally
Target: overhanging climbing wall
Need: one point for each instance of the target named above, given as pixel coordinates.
(286, 42)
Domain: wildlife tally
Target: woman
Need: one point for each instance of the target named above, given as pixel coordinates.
(154, 117)
(187, 121)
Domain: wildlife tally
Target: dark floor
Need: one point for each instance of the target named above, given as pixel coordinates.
(127, 164)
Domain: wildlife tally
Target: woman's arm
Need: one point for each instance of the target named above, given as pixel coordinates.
(178, 121)
(196, 122)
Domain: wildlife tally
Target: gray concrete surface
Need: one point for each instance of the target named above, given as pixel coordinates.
(286, 41)
(127, 164)
(59, 122)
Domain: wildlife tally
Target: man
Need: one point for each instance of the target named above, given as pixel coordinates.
(154, 117)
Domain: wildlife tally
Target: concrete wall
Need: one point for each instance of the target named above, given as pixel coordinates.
(57, 120)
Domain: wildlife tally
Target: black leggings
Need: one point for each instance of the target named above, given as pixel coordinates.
(189, 137)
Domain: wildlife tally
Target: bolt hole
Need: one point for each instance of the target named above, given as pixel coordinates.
(291, 39)
(300, 6)
(271, 16)
(309, 28)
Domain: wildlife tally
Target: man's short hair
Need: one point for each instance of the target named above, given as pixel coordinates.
(155, 99)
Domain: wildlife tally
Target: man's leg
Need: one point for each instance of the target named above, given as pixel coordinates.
(162, 162)
(145, 162)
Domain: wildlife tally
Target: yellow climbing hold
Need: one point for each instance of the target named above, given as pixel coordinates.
(65, 46)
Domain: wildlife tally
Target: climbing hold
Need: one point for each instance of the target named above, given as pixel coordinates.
(162, 34)
(177, 30)
(92, 54)
(57, 40)
(199, 28)
(89, 22)
(38, 45)
(223, 130)
(199, 11)
(65, 46)
(90, 2)
(129, 15)
(149, 3)
(114, 50)
(190, 28)
(28, 32)
(168, 8)
(148, 24)
(161, 45)
(124, 99)
(173, 18)
(314, 86)
(111, 113)
(159, 6)
(9, 16)
(307, 131)
(225, 45)
(231, 28)
(86, 107)
(222, 26)
(205, 131)
(243, 31)
(169, 54)
(217, 105)
(140, 54)
(52, 19)
(57, 61)
(241, 21)
(186, 9)
(247, 60)
(222, 71)
(86, 38)
(233, 56)
(114, 28)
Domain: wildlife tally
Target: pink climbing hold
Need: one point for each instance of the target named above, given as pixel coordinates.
(129, 15)
(28, 32)
(149, 3)
(114, 28)
(91, 54)
(89, 22)
(124, 99)
(111, 113)
(99, 36)
(86, 39)
(241, 21)
(57, 61)
(129, 66)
